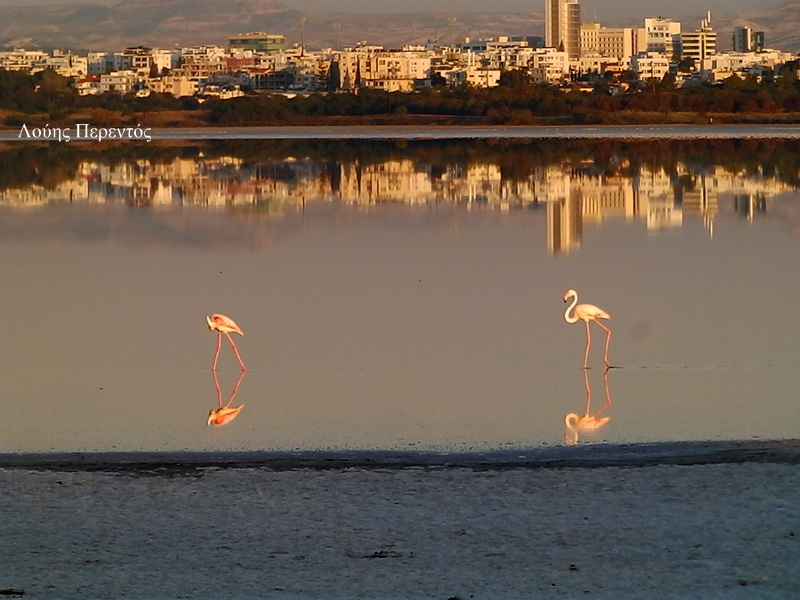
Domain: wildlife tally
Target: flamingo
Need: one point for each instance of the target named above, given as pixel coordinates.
(586, 423)
(222, 324)
(583, 424)
(587, 312)
(222, 415)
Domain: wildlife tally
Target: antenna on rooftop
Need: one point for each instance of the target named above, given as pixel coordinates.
(302, 35)
(451, 21)
(336, 27)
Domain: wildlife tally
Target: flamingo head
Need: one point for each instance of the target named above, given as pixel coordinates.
(569, 294)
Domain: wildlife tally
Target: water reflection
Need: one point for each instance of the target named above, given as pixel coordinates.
(224, 414)
(589, 422)
(575, 184)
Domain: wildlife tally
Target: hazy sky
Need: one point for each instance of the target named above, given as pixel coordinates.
(601, 9)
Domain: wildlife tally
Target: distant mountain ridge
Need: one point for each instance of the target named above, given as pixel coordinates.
(175, 23)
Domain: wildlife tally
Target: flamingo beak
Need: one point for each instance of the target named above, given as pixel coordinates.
(210, 323)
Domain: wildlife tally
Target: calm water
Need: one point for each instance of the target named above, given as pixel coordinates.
(397, 294)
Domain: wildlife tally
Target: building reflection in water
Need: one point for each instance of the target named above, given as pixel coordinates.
(589, 422)
(224, 414)
(575, 193)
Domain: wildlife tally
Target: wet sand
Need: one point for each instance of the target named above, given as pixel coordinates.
(719, 522)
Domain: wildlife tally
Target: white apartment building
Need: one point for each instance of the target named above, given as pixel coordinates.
(200, 62)
(391, 71)
(650, 65)
(66, 64)
(504, 58)
(663, 35)
(119, 82)
(138, 58)
(614, 42)
(723, 65)
(482, 77)
(170, 84)
(548, 65)
(21, 60)
(99, 62)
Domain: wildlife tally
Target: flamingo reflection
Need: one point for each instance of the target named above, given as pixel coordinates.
(589, 422)
(222, 415)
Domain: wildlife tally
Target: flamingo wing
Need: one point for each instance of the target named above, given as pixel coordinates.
(218, 322)
(590, 311)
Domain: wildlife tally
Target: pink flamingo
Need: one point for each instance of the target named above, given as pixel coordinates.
(222, 415)
(587, 312)
(588, 422)
(222, 324)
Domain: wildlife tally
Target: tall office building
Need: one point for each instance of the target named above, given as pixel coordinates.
(701, 44)
(744, 39)
(562, 26)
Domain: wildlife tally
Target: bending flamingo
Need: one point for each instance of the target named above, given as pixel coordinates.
(222, 415)
(587, 312)
(222, 324)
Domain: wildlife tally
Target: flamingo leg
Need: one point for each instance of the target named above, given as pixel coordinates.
(588, 344)
(230, 339)
(608, 396)
(588, 391)
(608, 339)
(235, 388)
(216, 355)
(216, 386)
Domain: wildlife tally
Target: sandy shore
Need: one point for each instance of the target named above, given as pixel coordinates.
(725, 529)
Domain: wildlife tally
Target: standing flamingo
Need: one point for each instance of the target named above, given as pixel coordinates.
(222, 324)
(587, 312)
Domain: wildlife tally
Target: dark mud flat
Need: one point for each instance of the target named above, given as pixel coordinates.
(584, 457)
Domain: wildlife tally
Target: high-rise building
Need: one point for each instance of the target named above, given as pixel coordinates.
(744, 39)
(562, 26)
(701, 44)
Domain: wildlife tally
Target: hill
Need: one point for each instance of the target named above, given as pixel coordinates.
(175, 23)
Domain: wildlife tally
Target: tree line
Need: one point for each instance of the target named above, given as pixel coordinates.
(517, 159)
(517, 100)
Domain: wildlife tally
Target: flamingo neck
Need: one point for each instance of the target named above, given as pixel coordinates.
(572, 319)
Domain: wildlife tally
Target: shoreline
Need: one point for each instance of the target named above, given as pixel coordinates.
(552, 457)
(437, 132)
